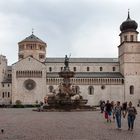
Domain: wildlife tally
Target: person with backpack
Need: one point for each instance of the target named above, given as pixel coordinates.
(132, 112)
(118, 113)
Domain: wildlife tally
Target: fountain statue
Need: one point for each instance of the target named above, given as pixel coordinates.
(66, 61)
(66, 97)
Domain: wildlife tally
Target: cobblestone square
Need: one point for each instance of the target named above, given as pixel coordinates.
(25, 124)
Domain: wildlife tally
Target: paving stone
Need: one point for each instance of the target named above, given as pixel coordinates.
(25, 124)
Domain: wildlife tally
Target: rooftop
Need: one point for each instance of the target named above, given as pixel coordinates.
(82, 60)
(32, 38)
(90, 75)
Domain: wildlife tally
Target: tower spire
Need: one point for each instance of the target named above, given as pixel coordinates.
(32, 30)
(128, 17)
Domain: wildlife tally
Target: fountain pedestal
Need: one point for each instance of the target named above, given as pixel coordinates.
(67, 98)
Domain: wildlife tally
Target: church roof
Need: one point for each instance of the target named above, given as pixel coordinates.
(82, 60)
(32, 38)
(89, 75)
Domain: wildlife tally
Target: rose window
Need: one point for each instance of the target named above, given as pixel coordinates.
(29, 84)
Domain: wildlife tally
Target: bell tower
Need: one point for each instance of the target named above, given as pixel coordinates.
(129, 48)
(129, 59)
(32, 46)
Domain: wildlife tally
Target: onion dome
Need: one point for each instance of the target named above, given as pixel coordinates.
(128, 25)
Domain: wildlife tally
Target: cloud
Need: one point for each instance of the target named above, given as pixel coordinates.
(84, 28)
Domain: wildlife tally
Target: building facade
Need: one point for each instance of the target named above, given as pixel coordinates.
(35, 75)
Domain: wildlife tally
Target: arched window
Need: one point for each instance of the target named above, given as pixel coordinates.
(90, 90)
(131, 38)
(50, 69)
(131, 89)
(74, 68)
(50, 88)
(2, 94)
(101, 68)
(88, 69)
(114, 68)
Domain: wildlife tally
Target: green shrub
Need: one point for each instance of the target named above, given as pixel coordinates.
(18, 106)
(18, 102)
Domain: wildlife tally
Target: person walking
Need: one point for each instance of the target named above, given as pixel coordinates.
(132, 112)
(124, 107)
(118, 114)
(108, 110)
(113, 108)
(102, 105)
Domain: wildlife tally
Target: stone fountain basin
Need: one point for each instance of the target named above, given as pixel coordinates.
(67, 102)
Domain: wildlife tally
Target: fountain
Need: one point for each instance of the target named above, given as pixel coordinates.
(65, 97)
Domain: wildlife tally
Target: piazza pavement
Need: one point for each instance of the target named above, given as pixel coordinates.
(25, 124)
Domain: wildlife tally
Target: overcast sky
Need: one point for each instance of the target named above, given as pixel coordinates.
(82, 28)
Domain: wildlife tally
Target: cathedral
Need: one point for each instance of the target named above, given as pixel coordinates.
(35, 76)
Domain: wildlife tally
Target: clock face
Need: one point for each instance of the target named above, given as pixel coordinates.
(29, 84)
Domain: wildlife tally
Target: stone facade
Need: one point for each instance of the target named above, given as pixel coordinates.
(35, 76)
(28, 81)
